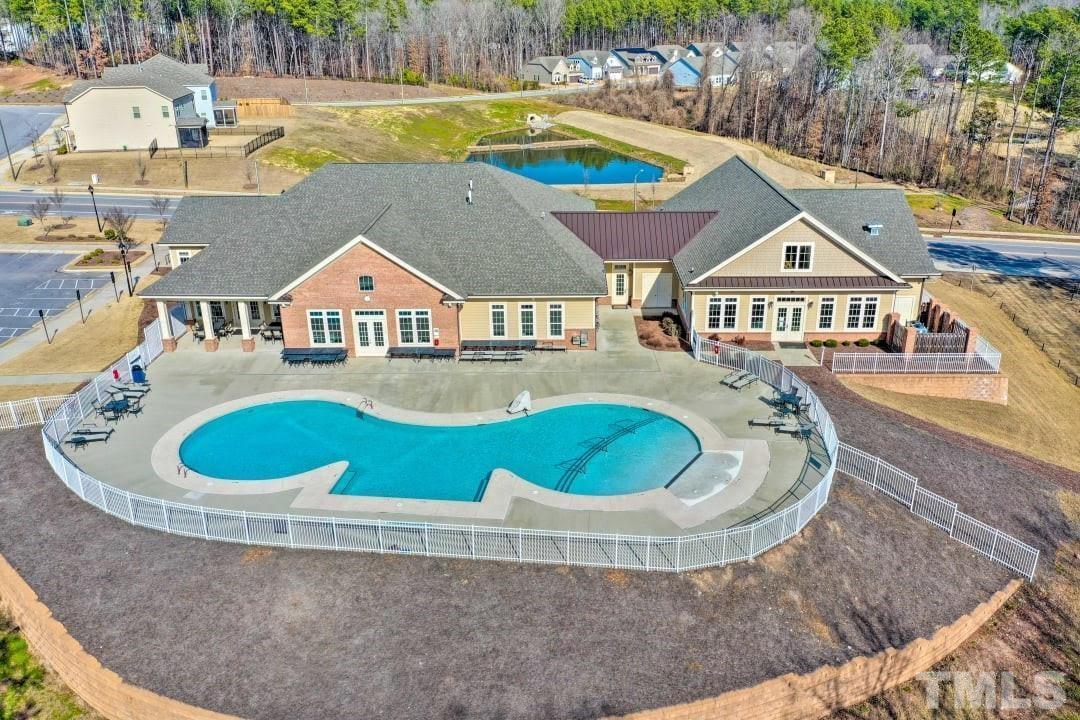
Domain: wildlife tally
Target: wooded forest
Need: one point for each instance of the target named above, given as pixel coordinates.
(852, 97)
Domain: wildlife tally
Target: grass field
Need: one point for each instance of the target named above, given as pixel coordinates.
(142, 231)
(935, 210)
(22, 392)
(1047, 308)
(1040, 419)
(108, 333)
(29, 690)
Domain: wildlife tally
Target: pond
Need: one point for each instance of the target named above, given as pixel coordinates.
(523, 137)
(566, 165)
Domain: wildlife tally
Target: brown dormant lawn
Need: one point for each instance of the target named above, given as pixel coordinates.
(1040, 418)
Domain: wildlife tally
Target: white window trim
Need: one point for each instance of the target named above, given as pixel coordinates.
(361, 277)
(783, 256)
(708, 311)
(521, 323)
(326, 327)
(182, 256)
(764, 302)
(847, 311)
(877, 312)
(832, 322)
(723, 313)
(562, 314)
(255, 311)
(491, 321)
(412, 315)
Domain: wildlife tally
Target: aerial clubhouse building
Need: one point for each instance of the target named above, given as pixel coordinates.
(369, 257)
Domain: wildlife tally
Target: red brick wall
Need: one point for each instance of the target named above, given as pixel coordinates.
(986, 387)
(335, 287)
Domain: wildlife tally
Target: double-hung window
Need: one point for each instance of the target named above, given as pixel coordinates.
(182, 256)
(136, 113)
(217, 311)
(757, 313)
(826, 313)
(366, 283)
(555, 320)
(798, 257)
(414, 327)
(325, 326)
(164, 111)
(527, 320)
(254, 311)
(498, 320)
(862, 313)
(723, 313)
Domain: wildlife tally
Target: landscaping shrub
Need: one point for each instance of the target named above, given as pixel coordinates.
(830, 343)
(862, 342)
(110, 234)
(670, 326)
(845, 343)
(739, 340)
(815, 343)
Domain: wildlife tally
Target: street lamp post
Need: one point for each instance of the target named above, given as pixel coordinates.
(127, 268)
(94, 200)
(8, 151)
(82, 315)
(41, 314)
(635, 188)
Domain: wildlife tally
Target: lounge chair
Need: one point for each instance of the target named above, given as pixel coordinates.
(78, 441)
(803, 430)
(773, 422)
(128, 388)
(474, 355)
(746, 381)
(734, 377)
(91, 430)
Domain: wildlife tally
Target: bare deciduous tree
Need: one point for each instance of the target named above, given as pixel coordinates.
(120, 221)
(39, 210)
(141, 168)
(59, 206)
(161, 206)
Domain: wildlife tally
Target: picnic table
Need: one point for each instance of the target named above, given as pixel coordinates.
(420, 353)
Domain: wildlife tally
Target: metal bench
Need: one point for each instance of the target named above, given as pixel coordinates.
(315, 356)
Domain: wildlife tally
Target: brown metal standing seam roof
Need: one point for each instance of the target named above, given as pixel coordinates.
(645, 235)
(801, 282)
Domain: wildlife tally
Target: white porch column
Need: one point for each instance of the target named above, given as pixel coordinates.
(247, 342)
(168, 342)
(211, 341)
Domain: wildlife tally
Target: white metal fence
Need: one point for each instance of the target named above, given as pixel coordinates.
(15, 414)
(904, 488)
(986, 360)
(638, 552)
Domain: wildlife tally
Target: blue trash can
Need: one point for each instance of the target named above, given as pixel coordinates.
(138, 374)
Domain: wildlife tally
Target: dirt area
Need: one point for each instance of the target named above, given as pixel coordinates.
(703, 152)
(118, 170)
(361, 635)
(108, 333)
(1040, 417)
(21, 392)
(18, 78)
(324, 90)
(651, 335)
(79, 230)
(934, 210)
(1047, 309)
(107, 259)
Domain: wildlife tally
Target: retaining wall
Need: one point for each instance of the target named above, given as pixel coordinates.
(986, 387)
(817, 694)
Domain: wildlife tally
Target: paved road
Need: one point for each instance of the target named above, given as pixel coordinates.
(22, 123)
(1007, 257)
(15, 202)
(439, 99)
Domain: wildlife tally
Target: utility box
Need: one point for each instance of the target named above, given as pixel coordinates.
(25, 221)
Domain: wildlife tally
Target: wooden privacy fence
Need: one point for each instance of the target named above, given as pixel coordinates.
(273, 107)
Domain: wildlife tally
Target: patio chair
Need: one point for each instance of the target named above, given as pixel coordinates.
(135, 408)
(197, 334)
(803, 431)
(267, 335)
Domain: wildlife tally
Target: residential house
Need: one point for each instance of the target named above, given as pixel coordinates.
(159, 100)
(638, 62)
(701, 49)
(688, 71)
(1003, 73)
(667, 53)
(597, 65)
(342, 260)
(546, 70)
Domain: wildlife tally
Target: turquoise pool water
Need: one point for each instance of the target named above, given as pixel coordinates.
(589, 449)
(571, 166)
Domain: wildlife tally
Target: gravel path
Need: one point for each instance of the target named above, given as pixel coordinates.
(289, 634)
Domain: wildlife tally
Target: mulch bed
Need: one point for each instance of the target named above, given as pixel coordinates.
(108, 259)
(71, 238)
(652, 336)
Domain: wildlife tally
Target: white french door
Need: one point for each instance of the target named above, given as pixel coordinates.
(370, 332)
(790, 319)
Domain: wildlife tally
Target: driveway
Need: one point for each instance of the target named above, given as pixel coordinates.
(23, 123)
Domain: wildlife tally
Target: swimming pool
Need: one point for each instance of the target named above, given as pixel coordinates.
(585, 449)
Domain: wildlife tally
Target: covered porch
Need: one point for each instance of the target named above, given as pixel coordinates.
(255, 321)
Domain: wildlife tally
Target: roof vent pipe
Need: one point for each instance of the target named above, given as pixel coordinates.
(468, 195)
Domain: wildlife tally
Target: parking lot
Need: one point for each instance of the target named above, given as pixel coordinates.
(32, 281)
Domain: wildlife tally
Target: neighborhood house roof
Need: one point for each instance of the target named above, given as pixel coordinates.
(717, 66)
(592, 57)
(505, 242)
(633, 55)
(669, 52)
(750, 205)
(635, 235)
(548, 62)
(167, 77)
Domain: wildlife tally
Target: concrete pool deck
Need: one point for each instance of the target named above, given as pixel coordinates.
(191, 381)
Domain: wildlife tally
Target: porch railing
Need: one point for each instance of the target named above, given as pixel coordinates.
(987, 360)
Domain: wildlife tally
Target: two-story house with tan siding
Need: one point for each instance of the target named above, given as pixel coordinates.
(369, 257)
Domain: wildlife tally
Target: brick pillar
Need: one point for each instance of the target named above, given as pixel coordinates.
(211, 344)
(973, 335)
(168, 344)
(892, 323)
(909, 341)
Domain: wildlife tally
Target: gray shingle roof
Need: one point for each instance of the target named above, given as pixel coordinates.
(750, 205)
(165, 76)
(505, 243)
(600, 56)
(669, 52)
(717, 66)
(548, 62)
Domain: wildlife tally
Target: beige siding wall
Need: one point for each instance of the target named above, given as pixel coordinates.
(636, 273)
(101, 119)
(175, 251)
(578, 314)
(915, 293)
(811, 322)
(767, 258)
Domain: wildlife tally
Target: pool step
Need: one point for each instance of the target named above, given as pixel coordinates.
(578, 465)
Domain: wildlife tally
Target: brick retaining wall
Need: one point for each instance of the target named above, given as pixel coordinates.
(986, 387)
